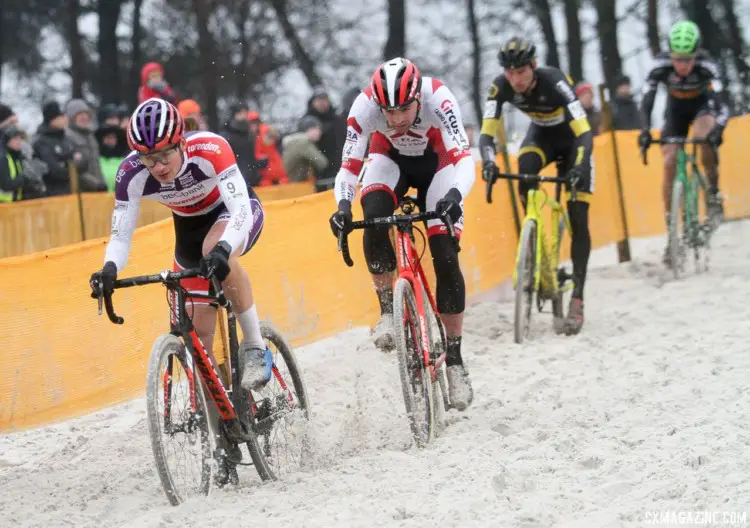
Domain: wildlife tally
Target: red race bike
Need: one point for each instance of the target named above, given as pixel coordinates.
(419, 332)
(196, 423)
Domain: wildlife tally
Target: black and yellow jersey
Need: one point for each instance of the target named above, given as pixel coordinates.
(702, 84)
(551, 104)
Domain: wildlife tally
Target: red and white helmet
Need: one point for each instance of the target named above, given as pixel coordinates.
(396, 83)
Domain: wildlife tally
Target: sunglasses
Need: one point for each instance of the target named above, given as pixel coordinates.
(162, 156)
(683, 58)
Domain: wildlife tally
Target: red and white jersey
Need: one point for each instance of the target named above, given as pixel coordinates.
(209, 178)
(438, 127)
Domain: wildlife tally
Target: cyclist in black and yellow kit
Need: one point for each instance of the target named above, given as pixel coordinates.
(694, 96)
(559, 130)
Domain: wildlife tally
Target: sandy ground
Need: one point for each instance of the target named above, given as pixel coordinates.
(645, 411)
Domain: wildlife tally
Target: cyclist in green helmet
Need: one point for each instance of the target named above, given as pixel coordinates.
(694, 96)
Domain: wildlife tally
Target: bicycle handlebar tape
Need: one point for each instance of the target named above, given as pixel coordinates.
(344, 248)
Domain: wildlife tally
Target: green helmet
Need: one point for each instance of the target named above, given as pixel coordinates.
(684, 37)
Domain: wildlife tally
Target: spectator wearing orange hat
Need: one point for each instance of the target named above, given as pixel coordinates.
(266, 141)
(190, 109)
(585, 94)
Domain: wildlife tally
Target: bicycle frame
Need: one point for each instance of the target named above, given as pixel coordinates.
(195, 352)
(691, 181)
(410, 268)
(546, 260)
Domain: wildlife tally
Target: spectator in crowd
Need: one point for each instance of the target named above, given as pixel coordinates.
(331, 140)
(80, 131)
(266, 150)
(190, 109)
(303, 160)
(21, 177)
(113, 144)
(7, 116)
(54, 148)
(585, 94)
(625, 114)
(237, 133)
(153, 84)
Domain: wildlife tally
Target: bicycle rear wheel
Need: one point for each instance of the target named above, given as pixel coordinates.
(677, 225)
(279, 412)
(525, 281)
(174, 426)
(416, 382)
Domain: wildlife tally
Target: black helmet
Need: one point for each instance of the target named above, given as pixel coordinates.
(516, 52)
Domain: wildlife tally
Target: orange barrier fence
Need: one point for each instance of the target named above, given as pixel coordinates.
(61, 360)
(38, 225)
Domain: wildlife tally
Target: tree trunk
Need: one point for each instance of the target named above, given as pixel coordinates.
(476, 62)
(136, 56)
(306, 63)
(241, 73)
(737, 44)
(2, 48)
(542, 11)
(207, 58)
(575, 45)
(606, 26)
(106, 44)
(77, 59)
(652, 27)
(395, 46)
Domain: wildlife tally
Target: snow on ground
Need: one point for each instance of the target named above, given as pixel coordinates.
(647, 410)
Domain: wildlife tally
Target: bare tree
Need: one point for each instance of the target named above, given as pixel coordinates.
(476, 61)
(652, 27)
(109, 56)
(606, 26)
(77, 58)
(207, 56)
(306, 63)
(136, 53)
(735, 42)
(542, 11)
(395, 45)
(575, 46)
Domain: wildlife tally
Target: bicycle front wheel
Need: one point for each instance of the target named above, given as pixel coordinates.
(179, 429)
(525, 268)
(416, 381)
(280, 412)
(677, 224)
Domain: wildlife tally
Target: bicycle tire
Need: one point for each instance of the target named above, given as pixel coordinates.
(525, 294)
(677, 218)
(558, 303)
(437, 348)
(271, 334)
(410, 362)
(703, 224)
(165, 346)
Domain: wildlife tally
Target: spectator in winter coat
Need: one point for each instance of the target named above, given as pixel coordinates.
(303, 160)
(190, 109)
(21, 177)
(585, 94)
(625, 114)
(80, 131)
(53, 147)
(331, 142)
(237, 133)
(272, 171)
(113, 143)
(153, 84)
(7, 116)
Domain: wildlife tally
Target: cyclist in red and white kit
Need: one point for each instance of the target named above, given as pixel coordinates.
(417, 140)
(216, 220)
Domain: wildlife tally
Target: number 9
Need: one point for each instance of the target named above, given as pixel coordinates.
(230, 186)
